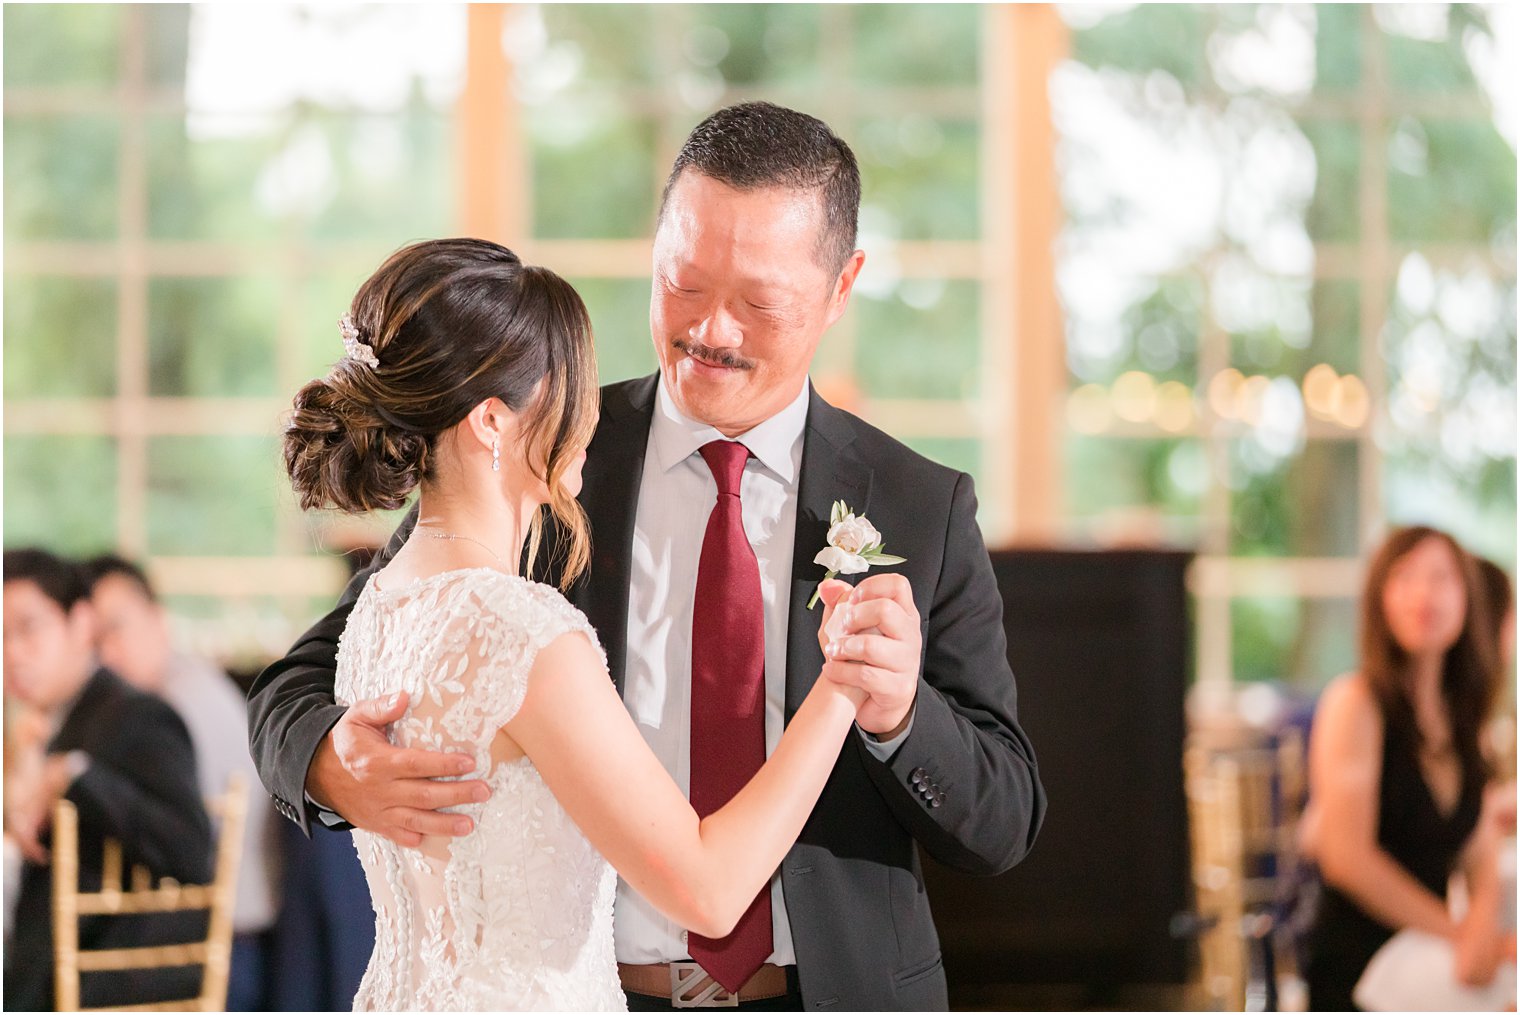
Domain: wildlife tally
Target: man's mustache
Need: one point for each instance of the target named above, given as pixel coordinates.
(715, 357)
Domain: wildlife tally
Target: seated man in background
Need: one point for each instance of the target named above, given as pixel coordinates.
(135, 644)
(123, 759)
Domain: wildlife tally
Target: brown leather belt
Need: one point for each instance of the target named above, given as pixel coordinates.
(687, 984)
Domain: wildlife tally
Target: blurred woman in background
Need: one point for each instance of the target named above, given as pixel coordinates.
(1397, 772)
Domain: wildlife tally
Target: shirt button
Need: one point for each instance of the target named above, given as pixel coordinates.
(684, 936)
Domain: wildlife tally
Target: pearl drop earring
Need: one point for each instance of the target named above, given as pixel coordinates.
(496, 456)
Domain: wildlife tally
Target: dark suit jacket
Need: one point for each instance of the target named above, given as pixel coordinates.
(963, 785)
(139, 789)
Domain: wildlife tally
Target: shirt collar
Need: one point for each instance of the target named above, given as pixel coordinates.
(673, 437)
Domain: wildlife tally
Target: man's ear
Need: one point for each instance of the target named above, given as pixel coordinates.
(81, 620)
(844, 285)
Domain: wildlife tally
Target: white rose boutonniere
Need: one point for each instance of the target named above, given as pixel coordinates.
(854, 545)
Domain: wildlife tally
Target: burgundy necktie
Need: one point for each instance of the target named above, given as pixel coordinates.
(728, 697)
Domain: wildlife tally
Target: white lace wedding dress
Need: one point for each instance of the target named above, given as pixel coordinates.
(517, 914)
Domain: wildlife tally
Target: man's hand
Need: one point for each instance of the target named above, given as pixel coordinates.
(391, 791)
(31, 813)
(878, 649)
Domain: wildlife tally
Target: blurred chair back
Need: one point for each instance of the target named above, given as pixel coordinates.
(115, 898)
(1244, 804)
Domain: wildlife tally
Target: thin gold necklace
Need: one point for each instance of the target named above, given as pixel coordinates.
(472, 539)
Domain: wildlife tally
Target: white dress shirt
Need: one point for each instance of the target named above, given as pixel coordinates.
(676, 496)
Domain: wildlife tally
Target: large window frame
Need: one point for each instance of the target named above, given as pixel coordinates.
(1018, 414)
(1219, 578)
(492, 181)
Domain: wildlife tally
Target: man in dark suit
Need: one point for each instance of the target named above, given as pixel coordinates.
(124, 760)
(754, 259)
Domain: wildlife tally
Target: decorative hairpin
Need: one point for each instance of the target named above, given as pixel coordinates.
(351, 344)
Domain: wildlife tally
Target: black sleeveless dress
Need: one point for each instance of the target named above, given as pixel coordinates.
(1412, 829)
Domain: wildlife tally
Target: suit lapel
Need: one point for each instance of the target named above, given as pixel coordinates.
(830, 471)
(610, 497)
(614, 468)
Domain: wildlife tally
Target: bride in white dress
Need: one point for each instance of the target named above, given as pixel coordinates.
(470, 376)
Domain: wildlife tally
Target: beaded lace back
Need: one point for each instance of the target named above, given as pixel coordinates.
(518, 913)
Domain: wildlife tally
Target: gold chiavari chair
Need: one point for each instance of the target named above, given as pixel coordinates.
(1244, 804)
(213, 953)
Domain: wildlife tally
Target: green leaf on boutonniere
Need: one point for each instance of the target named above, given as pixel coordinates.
(851, 528)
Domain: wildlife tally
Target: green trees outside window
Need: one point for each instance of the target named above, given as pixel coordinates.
(1287, 270)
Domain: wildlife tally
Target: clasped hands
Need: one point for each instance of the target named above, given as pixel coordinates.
(871, 640)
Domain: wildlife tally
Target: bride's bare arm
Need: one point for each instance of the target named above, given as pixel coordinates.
(702, 873)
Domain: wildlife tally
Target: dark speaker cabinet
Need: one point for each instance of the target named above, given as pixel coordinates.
(1099, 643)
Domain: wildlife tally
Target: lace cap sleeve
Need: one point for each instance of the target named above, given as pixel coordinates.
(548, 615)
(473, 681)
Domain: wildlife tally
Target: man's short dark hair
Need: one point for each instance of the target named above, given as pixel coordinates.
(60, 580)
(108, 564)
(754, 145)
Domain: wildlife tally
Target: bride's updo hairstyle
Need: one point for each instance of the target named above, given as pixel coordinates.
(440, 328)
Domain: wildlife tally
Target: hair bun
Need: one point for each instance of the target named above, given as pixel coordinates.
(340, 453)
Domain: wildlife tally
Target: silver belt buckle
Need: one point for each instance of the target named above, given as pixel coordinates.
(691, 987)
